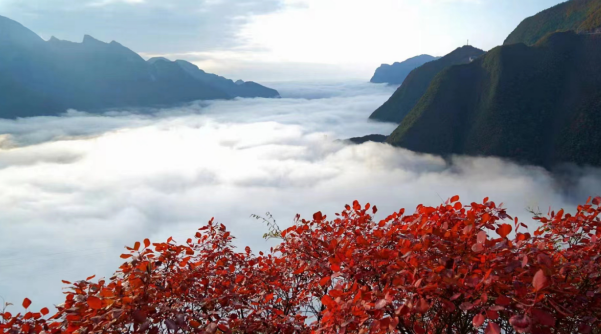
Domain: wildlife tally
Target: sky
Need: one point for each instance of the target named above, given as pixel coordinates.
(281, 40)
(79, 187)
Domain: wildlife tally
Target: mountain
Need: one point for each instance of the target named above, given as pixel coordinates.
(536, 104)
(417, 82)
(396, 73)
(47, 77)
(576, 15)
(233, 89)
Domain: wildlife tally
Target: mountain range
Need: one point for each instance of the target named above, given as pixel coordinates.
(396, 73)
(40, 77)
(536, 99)
(418, 81)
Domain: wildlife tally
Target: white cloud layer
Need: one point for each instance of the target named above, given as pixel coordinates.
(77, 188)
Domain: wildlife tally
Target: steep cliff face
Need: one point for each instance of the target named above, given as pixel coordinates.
(538, 104)
(417, 82)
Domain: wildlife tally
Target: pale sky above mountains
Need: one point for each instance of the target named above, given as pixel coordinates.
(274, 40)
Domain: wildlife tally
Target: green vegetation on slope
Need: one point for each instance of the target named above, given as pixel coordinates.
(539, 104)
(417, 82)
(577, 15)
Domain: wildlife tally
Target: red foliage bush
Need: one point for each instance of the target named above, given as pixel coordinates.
(446, 269)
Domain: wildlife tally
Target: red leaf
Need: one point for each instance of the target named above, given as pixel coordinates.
(454, 199)
(521, 323)
(381, 304)
(268, 297)
(374, 209)
(478, 320)
(455, 296)
(26, 302)
(317, 216)
(89, 278)
(540, 280)
(477, 248)
(146, 243)
(66, 282)
(597, 200)
(482, 237)
(503, 301)
(492, 328)
(418, 329)
(125, 256)
(504, 230)
(44, 311)
(137, 245)
(543, 318)
(324, 281)
(94, 302)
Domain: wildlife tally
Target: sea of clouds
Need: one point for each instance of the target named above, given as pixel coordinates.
(75, 189)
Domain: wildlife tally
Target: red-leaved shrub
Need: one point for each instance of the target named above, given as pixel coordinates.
(445, 269)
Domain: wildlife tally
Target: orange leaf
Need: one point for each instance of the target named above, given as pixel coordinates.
(89, 278)
(94, 303)
(504, 230)
(125, 256)
(137, 245)
(146, 243)
(26, 302)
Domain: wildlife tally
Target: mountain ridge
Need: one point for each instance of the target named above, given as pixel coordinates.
(417, 82)
(536, 104)
(396, 73)
(573, 15)
(48, 77)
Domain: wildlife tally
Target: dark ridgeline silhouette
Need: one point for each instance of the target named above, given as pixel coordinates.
(396, 73)
(534, 100)
(417, 82)
(40, 77)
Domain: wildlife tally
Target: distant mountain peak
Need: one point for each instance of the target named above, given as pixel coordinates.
(87, 39)
(15, 33)
(396, 73)
(93, 75)
(154, 60)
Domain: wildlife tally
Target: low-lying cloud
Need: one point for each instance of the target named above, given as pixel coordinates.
(77, 188)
